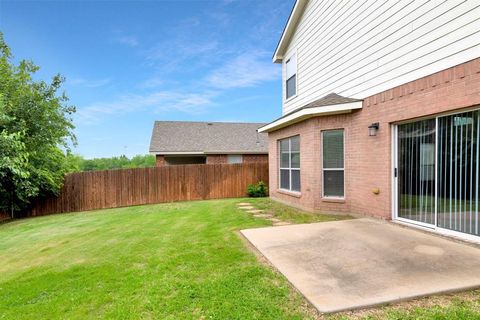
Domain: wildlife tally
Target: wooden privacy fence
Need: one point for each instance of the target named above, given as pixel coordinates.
(127, 187)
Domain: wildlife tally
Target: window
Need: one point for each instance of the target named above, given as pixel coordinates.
(290, 163)
(291, 76)
(234, 158)
(333, 164)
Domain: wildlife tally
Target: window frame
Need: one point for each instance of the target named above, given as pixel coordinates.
(333, 169)
(234, 156)
(286, 98)
(289, 168)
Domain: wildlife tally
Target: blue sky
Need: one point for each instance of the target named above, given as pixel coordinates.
(130, 63)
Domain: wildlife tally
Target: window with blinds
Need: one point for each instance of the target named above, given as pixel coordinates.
(458, 173)
(333, 164)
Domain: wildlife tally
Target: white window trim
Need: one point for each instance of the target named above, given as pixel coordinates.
(290, 169)
(285, 99)
(334, 169)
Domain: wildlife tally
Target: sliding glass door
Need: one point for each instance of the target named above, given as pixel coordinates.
(416, 171)
(438, 172)
(458, 172)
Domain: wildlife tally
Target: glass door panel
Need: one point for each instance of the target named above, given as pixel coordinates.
(458, 172)
(416, 171)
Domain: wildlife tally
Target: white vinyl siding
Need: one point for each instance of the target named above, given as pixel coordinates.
(289, 164)
(359, 48)
(234, 158)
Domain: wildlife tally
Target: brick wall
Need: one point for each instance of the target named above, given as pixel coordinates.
(250, 158)
(220, 158)
(160, 160)
(368, 159)
(216, 158)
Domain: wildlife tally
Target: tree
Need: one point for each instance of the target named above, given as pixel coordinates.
(78, 163)
(36, 130)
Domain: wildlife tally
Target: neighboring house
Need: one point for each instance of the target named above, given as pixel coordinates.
(180, 142)
(381, 115)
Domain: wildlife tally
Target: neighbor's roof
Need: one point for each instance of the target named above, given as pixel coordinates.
(170, 137)
(289, 29)
(328, 105)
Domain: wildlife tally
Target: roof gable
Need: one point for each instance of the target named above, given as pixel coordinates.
(289, 29)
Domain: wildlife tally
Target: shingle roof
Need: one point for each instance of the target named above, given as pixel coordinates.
(328, 100)
(208, 137)
(330, 104)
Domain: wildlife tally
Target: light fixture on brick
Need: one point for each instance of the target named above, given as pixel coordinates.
(373, 128)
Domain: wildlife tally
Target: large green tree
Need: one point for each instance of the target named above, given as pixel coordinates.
(36, 131)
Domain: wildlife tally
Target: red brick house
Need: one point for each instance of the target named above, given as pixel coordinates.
(184, 142)
(381, 112)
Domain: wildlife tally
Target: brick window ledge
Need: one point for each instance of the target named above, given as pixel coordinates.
(290, 193)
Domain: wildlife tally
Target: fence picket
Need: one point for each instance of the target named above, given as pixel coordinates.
(124, 187)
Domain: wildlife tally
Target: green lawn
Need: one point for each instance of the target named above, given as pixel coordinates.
(291, 214)
(169, 261)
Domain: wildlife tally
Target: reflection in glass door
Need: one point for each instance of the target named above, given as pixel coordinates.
(416, 171)
(458, 172)
(439, 172)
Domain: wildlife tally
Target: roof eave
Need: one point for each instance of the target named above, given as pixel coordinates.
(288, 30)
(199, 153)
(306, 113)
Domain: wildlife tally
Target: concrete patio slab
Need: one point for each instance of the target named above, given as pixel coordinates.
(351, 264)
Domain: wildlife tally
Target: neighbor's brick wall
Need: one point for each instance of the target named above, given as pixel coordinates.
(250, 158)
(216, 158)
(368, 159)
(219, 159)
(160, 161)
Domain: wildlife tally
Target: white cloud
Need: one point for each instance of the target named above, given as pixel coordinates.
(88, 83)
(152, 82)
(181, 54)
(127, 40)
(246, 70)
(161, 101)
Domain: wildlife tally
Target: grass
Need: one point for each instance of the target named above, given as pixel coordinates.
(169, 261)
(464, 305)
(291, 214)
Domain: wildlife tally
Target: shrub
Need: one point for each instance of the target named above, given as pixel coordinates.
(257, 190)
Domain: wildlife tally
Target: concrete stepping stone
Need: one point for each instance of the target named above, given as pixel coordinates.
(247, 208)
(281, 223)
(255, 211)
(244, 204)
(263, 215)
(275, 220)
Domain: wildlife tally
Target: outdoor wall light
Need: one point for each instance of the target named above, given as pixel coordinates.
(373, 128)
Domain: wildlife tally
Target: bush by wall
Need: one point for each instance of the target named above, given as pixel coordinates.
(257, 190)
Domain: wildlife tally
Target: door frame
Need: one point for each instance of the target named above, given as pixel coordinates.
(394, 177)
(395, 173)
